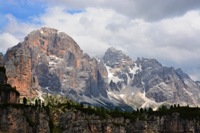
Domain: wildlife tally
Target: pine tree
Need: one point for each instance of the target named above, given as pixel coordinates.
(24, 101)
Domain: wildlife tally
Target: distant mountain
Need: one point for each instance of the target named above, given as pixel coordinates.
(145, 82)
(49, 61)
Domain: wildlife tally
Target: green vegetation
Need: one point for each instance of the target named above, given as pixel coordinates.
(185, 112)
(56, 105)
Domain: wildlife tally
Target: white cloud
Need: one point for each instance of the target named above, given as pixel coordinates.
(173, 41)
(6, 41)
(18, 28)
(151, 10)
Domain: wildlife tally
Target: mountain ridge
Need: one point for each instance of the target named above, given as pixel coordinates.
(49, 61)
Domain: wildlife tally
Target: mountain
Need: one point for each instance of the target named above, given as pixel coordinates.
(145, 82)
(49, 61)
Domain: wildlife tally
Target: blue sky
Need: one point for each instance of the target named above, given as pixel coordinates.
(23, 11)
(166, 30)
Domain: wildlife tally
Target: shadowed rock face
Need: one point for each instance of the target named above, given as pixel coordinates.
(1, 59)
(165, 83)
(18, 68)
(32, 120)
(72, 121)
(155, 82)
(51, 60)
(23, 120)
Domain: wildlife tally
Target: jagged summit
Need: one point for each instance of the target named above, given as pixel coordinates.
(51, 41)
(148, 80)
(51, 61)
(113, 56)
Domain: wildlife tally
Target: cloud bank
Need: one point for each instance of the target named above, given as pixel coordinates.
(166, 30)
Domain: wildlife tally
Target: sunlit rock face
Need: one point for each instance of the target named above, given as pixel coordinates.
(52, 61)
(18, 68)
(146, 82)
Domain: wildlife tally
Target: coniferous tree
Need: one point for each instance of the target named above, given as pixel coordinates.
(39, 102)
(150, 109)
(36, 102)
(24, 101)
(141, 110)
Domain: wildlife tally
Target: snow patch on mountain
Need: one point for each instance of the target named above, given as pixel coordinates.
(135, 69)
(111, 75)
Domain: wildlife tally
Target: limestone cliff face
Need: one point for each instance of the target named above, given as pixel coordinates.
(146, 82)
(166, 83)
(30, 119)
(76, 121)
(26, 120)
(18, 68)
(52, 61)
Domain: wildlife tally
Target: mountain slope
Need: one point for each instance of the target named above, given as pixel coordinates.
(49, 61)
(145, 82)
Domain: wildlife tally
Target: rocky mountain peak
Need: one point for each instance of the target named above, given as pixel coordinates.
(114, 57)
(181, 74)
(52, 42)
(51, 61)
(148, 63)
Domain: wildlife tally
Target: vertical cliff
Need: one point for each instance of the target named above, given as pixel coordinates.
(77, 121)
(23, 120)
(31, 119)
(52, 61)
(18, 68)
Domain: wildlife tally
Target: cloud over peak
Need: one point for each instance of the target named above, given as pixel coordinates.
(166, 30)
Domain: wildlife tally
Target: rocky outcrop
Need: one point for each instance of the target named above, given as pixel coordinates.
(165, 84)
(120, 68)
(32, 119)
(52, 61)
(1, 59)
(164, 124)
(145, 82)
(76, 121)
(3, 77)
(18, 68)
(114, 58)
(23, 120)
(8, 94)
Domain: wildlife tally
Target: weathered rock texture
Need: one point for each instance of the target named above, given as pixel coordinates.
(8, 94)
(166, 83)
(49, 60)
(52, 61)
(74, 121)
(146, 82)
(23, 120)
(30, 119)
(18, 68)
